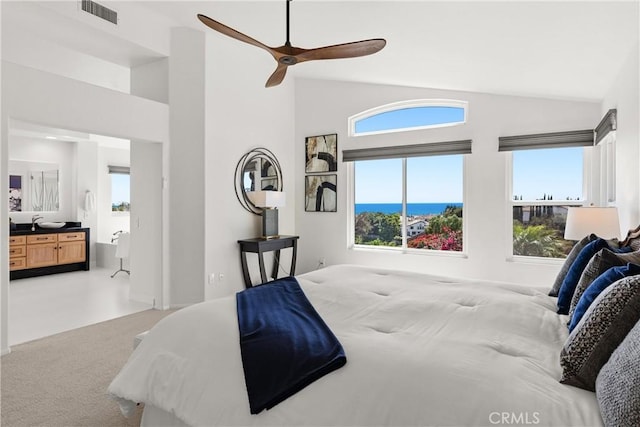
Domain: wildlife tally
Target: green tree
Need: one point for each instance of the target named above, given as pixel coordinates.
(377, 228)
(363, 226)
(437, 224)
(452, 210)
(388, 226)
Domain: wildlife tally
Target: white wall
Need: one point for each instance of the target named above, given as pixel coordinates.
(623, 96)
(87, 173)
(186, 165)
(4, 207)
(39, 53)
(324, 106)
(151, 80)
(146, 222)
(241, 115)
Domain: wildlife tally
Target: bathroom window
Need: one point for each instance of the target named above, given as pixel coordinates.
(120, 189)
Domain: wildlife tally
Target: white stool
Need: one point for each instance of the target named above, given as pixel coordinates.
(122, 250)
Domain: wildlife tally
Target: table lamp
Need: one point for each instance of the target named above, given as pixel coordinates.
(601, 221)
(270, 201)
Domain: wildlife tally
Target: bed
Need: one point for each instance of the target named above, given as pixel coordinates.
(421, 350)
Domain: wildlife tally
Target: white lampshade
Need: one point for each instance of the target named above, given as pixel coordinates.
(603, 222)
(267, 199)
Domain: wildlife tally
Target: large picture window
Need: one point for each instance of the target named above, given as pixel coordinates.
(411, 203)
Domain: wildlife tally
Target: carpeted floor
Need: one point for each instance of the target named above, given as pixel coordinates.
(62, 380)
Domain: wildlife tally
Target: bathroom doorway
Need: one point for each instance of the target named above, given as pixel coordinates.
(97, 180)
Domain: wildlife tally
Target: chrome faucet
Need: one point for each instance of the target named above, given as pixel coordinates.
(33, 221)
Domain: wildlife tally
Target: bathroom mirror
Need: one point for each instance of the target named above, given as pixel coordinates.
(33, 186)
(257, 170)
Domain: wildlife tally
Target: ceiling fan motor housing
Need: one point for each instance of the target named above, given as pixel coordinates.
(288, 60)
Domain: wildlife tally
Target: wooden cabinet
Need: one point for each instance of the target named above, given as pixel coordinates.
(42, 254)
(45, 253)
(17, 252)
(71, 248)
(54, 249)
(42, 250)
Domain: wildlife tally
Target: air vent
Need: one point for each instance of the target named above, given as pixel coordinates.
(100, 11)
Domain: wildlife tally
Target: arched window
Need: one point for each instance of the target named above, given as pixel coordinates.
(408, 115)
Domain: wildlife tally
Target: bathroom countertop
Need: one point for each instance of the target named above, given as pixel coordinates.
(25, 229)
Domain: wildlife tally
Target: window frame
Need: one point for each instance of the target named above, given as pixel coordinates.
(401, 105)
(606, 151)
(351, 181)
(111, 211)
(587, 159)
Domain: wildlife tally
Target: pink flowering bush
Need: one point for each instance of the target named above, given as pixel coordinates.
(446, 240)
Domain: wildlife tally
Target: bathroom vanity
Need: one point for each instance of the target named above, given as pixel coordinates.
(47, 250)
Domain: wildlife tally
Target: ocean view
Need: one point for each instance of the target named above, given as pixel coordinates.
(413, 209)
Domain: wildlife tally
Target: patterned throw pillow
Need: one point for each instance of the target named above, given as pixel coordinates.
(575, 271)
(577, 268)
(607, 321)
(603, 281)
(601, 262)
(567, 263)
(618, 384)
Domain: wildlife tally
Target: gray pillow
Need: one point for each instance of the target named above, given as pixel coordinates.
(618, 384)
(557, 284)
(598, 264)
(602, 328)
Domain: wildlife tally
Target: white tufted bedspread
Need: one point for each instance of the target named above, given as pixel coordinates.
(421, 350)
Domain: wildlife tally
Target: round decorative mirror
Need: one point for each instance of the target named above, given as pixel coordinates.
(257, 170)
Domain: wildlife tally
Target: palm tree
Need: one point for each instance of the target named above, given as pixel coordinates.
(536, 240)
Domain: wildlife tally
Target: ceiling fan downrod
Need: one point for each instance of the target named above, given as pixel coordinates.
(288, 42)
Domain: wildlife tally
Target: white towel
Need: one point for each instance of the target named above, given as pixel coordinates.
(89, 201)
(122, 251)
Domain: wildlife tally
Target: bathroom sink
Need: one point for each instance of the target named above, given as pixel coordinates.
(51, 224)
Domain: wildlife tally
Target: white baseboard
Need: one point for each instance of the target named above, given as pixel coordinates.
(5, 351)
(147, 299)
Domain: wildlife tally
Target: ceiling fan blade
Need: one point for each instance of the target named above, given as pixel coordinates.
(228, 31)
(345, 50)
(277, 76)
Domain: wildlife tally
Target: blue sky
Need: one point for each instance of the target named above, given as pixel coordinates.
(436, 179)
(555, 171)
(439, 179)
(410, 117)
(120, 188)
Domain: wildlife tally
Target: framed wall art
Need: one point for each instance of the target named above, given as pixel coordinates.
(321, 153)
(15, 193)
(320, 193)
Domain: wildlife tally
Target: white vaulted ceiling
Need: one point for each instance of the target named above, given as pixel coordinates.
(570, 49)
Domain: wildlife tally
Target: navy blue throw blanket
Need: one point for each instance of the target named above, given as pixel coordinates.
(285, 344)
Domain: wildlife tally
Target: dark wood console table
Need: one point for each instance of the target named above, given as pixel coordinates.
(260, 246)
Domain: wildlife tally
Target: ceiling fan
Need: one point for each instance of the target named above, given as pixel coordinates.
(287, 55)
